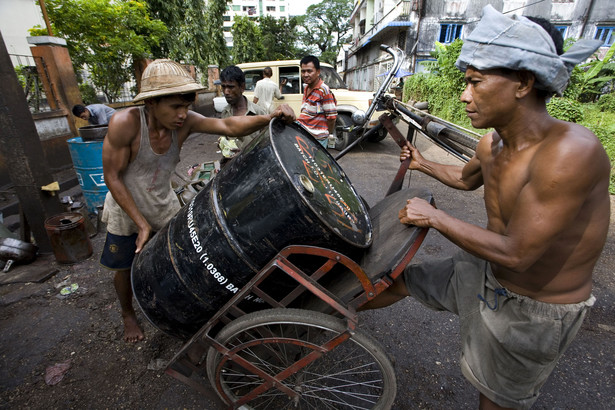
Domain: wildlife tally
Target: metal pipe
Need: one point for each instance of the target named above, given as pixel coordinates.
(397, 61)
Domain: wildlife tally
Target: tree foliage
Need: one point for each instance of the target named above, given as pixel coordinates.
(589, 80)
(216, 50)
(279, 38)
(325, 27)
(106, 36)
(442, 86)
(194, 31)
(247, 44)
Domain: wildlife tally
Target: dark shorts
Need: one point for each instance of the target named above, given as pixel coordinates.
(119, 251)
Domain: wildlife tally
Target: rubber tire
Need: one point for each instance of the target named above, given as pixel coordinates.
(343, 137)
(379, 136)
(299, 323)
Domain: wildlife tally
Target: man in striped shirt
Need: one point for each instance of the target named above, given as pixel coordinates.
(318, 107)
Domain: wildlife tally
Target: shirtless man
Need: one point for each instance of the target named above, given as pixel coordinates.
(140, 199)
(546, 195)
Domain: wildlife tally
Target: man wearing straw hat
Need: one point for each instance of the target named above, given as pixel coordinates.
(523, 285)
(140, 153)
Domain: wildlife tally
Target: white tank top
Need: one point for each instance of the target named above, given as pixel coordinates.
(148, 179)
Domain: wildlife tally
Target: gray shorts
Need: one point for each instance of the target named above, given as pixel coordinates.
(510, 343)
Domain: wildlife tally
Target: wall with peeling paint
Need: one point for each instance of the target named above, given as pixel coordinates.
(414, 26)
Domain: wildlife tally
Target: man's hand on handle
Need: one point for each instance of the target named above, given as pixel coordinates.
(410, 151)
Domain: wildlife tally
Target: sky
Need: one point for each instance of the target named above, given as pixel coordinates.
(298, 7)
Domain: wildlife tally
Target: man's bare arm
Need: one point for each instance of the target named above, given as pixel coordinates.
(237, 126)
(331, 125)
(467, 177)
(116, 154)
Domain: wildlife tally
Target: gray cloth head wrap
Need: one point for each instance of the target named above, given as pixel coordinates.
(517, 43)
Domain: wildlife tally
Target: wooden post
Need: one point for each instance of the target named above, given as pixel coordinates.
(213, 74)
(21, 147)
(55, 69)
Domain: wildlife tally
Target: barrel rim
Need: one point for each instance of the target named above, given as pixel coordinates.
(300, 128)
(48, 221)
(79, 140)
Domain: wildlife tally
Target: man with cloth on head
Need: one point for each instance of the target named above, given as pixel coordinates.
(265, 90)
(523, 285)
(139, 154)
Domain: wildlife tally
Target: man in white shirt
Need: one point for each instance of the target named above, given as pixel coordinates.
(265, 90)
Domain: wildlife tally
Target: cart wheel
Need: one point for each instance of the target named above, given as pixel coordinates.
(343, 137)
(357, 374)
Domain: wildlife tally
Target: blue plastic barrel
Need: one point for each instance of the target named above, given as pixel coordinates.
(87, 160)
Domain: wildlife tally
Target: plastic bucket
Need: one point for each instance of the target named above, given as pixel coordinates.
(280, 190)
(87, 161)
(69, 239)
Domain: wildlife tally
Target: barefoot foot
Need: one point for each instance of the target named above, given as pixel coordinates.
(132, 331)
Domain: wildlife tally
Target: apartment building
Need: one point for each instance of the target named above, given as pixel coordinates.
(415, 25)
(252, 8)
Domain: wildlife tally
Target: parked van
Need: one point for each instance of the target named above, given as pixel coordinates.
(288, 73)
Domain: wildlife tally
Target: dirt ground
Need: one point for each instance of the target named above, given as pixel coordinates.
(40, 329)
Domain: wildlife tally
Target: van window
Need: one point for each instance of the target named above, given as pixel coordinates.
(290, 80)
(252, 76)
(331, 78)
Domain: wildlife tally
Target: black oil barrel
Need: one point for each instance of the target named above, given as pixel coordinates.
(284, 188)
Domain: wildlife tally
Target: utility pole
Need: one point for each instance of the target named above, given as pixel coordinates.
(21, 148)
(45, 16)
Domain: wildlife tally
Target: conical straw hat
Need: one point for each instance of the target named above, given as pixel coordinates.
(166, 77)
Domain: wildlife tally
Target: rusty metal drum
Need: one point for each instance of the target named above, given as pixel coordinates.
(283, 189)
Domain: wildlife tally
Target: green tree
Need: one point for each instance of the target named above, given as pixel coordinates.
(247, 44)
(325, 27)
(190, 36)
(106, 36)
(216, 50)
(279, 38)
(442, 86)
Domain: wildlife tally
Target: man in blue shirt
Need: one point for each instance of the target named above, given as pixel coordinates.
(95, 114)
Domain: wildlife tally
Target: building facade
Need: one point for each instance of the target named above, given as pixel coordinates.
(16, 17)
(252, 8)
(416, 25)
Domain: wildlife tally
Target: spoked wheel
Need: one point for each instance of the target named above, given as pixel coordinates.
(357, 374)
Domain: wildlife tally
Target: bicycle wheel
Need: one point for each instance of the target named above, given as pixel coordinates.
(357, 374)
